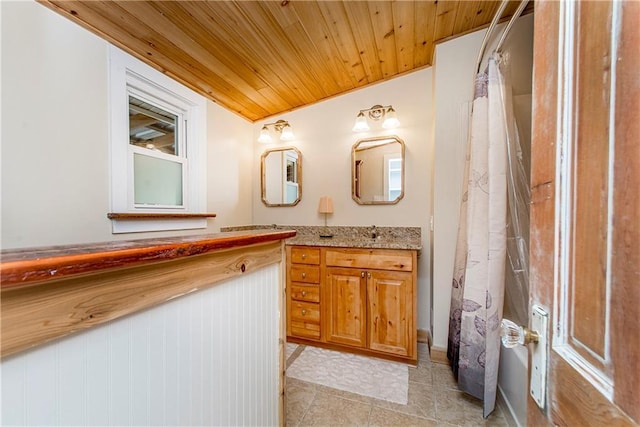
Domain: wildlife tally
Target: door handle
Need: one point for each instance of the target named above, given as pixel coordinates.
(512, 334)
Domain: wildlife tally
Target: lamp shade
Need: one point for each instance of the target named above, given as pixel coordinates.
(264, 137)
(361, 123)
(287, 133)
(391, 120)
(326, 205)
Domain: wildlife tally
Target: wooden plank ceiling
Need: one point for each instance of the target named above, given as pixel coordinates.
(261, 58)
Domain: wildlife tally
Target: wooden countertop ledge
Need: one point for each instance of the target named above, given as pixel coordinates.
(22, 267)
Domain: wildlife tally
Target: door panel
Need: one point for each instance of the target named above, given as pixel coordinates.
(589, 192)
(585, 260)
(346, 323)
(625, 236)
(390, 299)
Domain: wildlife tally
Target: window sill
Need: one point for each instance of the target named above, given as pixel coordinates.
(142, 222)
(113, 215)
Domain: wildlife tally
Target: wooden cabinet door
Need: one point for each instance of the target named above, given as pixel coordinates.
(346, 306)
(390, 314)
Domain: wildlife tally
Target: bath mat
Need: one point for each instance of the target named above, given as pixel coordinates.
(367, 376)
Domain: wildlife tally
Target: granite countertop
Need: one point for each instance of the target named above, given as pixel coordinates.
(347, 242)
(348, 237)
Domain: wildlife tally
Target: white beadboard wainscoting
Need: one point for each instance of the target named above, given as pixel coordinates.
(207, 358)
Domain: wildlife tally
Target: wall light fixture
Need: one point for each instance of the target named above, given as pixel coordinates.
(281, 126)
(376, 113)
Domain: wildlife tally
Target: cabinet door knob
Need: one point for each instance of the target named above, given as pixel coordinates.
(304, 312)
(304, 275)
(362, 274)
(368, 275)
(304, 293)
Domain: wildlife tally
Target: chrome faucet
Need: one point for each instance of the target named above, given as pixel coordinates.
(374, 232)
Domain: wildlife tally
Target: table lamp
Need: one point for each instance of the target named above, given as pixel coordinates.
(325, 207)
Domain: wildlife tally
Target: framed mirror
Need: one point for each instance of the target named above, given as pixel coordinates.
(281, 176)
(377, 171)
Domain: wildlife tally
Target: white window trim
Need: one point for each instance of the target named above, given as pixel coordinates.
(127, 72)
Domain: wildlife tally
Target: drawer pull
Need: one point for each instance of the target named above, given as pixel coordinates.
(304, 293)
(304, 311)
(304, 256)
(304, 275)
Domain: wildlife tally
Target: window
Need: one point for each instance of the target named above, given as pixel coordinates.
(392, 176)
(158, 156)
(158, 147)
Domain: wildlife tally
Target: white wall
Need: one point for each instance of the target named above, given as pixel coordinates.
(323, 134)
(55, 148)
(453, 89)
(207, 358)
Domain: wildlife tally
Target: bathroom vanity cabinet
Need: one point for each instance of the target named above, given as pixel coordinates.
(354, 299)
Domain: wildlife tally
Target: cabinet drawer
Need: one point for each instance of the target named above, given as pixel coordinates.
(377, 259)
(304, 273)
(305, 312)
(304, 255)
(306, 330)
(305, 292)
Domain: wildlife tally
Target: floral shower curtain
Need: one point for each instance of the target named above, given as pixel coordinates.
(479, 268)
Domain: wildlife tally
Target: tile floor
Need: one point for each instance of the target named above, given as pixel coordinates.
(434, 400)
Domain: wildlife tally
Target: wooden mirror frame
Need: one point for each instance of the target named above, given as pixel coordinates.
(355, 170)
(263, 185)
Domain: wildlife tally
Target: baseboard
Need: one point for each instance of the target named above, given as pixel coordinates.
(424, 336)
(439, 355)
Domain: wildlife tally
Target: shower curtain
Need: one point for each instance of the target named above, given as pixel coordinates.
(479, 269)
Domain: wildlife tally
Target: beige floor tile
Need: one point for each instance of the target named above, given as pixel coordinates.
(421, 373)
(458, 408)
(443, 377)
(298, 398)
(291, 382)
(421, 401)
(434, 399)
(328, 410)
(386, 417)
(497, 418)
(344, 394)
(423, 352)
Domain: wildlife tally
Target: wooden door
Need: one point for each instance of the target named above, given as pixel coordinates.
(585, 209)
(346, 306)
(390, 314)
